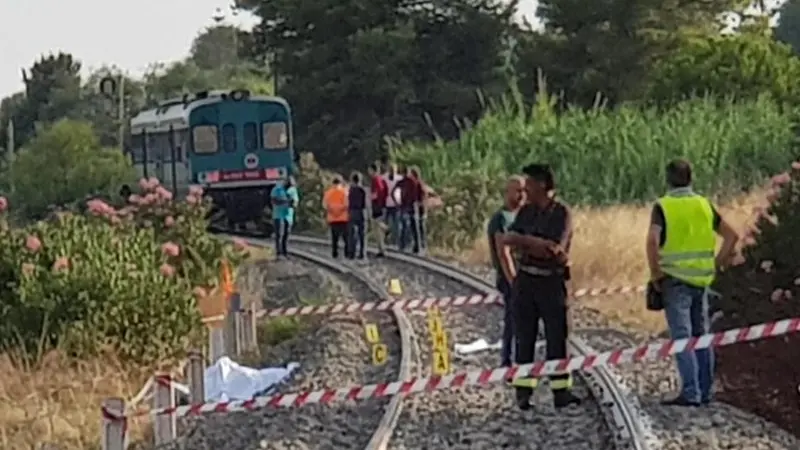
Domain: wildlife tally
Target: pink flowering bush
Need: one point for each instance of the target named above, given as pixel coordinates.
(123, 277)
(764, 283)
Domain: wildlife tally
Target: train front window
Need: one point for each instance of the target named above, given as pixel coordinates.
(205, 139)
(229, 138)
(274, 135)
(250, 136)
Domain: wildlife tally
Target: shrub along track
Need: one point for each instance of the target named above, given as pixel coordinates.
(332, 352)
(485, 417)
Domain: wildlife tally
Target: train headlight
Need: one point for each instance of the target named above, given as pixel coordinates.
(208, 177)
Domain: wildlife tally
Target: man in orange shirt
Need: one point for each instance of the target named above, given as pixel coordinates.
(336, 209)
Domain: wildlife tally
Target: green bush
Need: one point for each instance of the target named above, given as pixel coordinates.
(600, 156)
(62, 164)
(111, 279)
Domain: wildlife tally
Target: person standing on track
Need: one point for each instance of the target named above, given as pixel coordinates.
(378, 193)
(502, 259)
(357, 210)
(542, 232)
(336, 208)
(284, 197)
(680, 252)
(409, 191)
(392, 216)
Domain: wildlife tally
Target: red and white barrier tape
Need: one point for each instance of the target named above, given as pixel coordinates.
(651, 351)
(423, 303)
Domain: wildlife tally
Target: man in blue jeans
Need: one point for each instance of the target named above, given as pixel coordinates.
(284, 198)
(680, 252)
(502, 260)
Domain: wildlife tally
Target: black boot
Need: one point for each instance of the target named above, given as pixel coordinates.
(523, 396)
(563, 398)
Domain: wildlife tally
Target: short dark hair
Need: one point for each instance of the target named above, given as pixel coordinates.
(337, 179)
(355, 177)
(679, 173)
(542, 173)
(375, 167)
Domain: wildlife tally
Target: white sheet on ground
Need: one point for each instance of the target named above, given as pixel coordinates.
(227, 380)
(481, 345)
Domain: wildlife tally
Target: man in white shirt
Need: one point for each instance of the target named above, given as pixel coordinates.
(392, 217)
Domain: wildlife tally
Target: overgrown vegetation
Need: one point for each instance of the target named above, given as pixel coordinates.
(123, 280)
(600, 156)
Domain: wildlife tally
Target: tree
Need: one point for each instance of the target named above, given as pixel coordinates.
(607, 47)
(52, 91)
(356, 71)
(216, 47)
(788, 28)
(65, 163)
(743, 66)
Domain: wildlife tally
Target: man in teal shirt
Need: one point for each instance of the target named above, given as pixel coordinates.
(284, 201)
(502, 259)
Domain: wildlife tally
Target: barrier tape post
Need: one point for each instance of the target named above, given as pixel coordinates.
(216, 343)
(113, 426)
(249, 329)
(164, 426)
(196, 375)
(232, 326)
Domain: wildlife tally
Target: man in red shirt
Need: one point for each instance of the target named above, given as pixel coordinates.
(411, 197)
(378, 193)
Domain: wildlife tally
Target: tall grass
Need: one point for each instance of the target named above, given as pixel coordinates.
(616, 156)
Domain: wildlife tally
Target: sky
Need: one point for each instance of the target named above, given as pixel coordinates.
(128, 34)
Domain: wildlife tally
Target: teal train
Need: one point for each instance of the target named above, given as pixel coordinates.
(234, 144)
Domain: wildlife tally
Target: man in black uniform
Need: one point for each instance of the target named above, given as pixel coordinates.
(541, 234)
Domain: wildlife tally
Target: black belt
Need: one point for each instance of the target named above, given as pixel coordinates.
(542, 272)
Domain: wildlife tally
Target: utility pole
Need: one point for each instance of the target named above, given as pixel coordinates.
(121, 112)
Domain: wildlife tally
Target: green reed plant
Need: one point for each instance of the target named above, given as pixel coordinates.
(604, 156)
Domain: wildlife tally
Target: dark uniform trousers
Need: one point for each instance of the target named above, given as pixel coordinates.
(540, 297)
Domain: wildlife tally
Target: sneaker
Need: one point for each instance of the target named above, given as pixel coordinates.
(679, 401)
(380, 255)
(562, 399)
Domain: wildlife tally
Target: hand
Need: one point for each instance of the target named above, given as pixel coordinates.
(656, 278)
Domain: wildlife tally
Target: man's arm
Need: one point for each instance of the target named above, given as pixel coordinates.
(537, 247)
(505, 258)
(653, 243)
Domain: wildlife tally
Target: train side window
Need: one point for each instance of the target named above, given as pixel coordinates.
(274, 135)
(229, 138)
(250, 136)
(137, 155)
(205, 139)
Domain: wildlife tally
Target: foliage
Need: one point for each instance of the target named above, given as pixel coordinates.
(64, 163)
(736, 66)
(311, 183)
(216, 47)
(608, 47)
(112, 279)
(356, 71)
(601, 156)
(52, 91)
(769, 268)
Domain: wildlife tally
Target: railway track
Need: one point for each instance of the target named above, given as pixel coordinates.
(500, 425)
(365, 424)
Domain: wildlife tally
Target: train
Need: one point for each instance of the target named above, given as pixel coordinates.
(237, 146)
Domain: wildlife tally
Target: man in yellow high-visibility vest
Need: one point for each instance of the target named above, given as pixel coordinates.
(680, 252)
